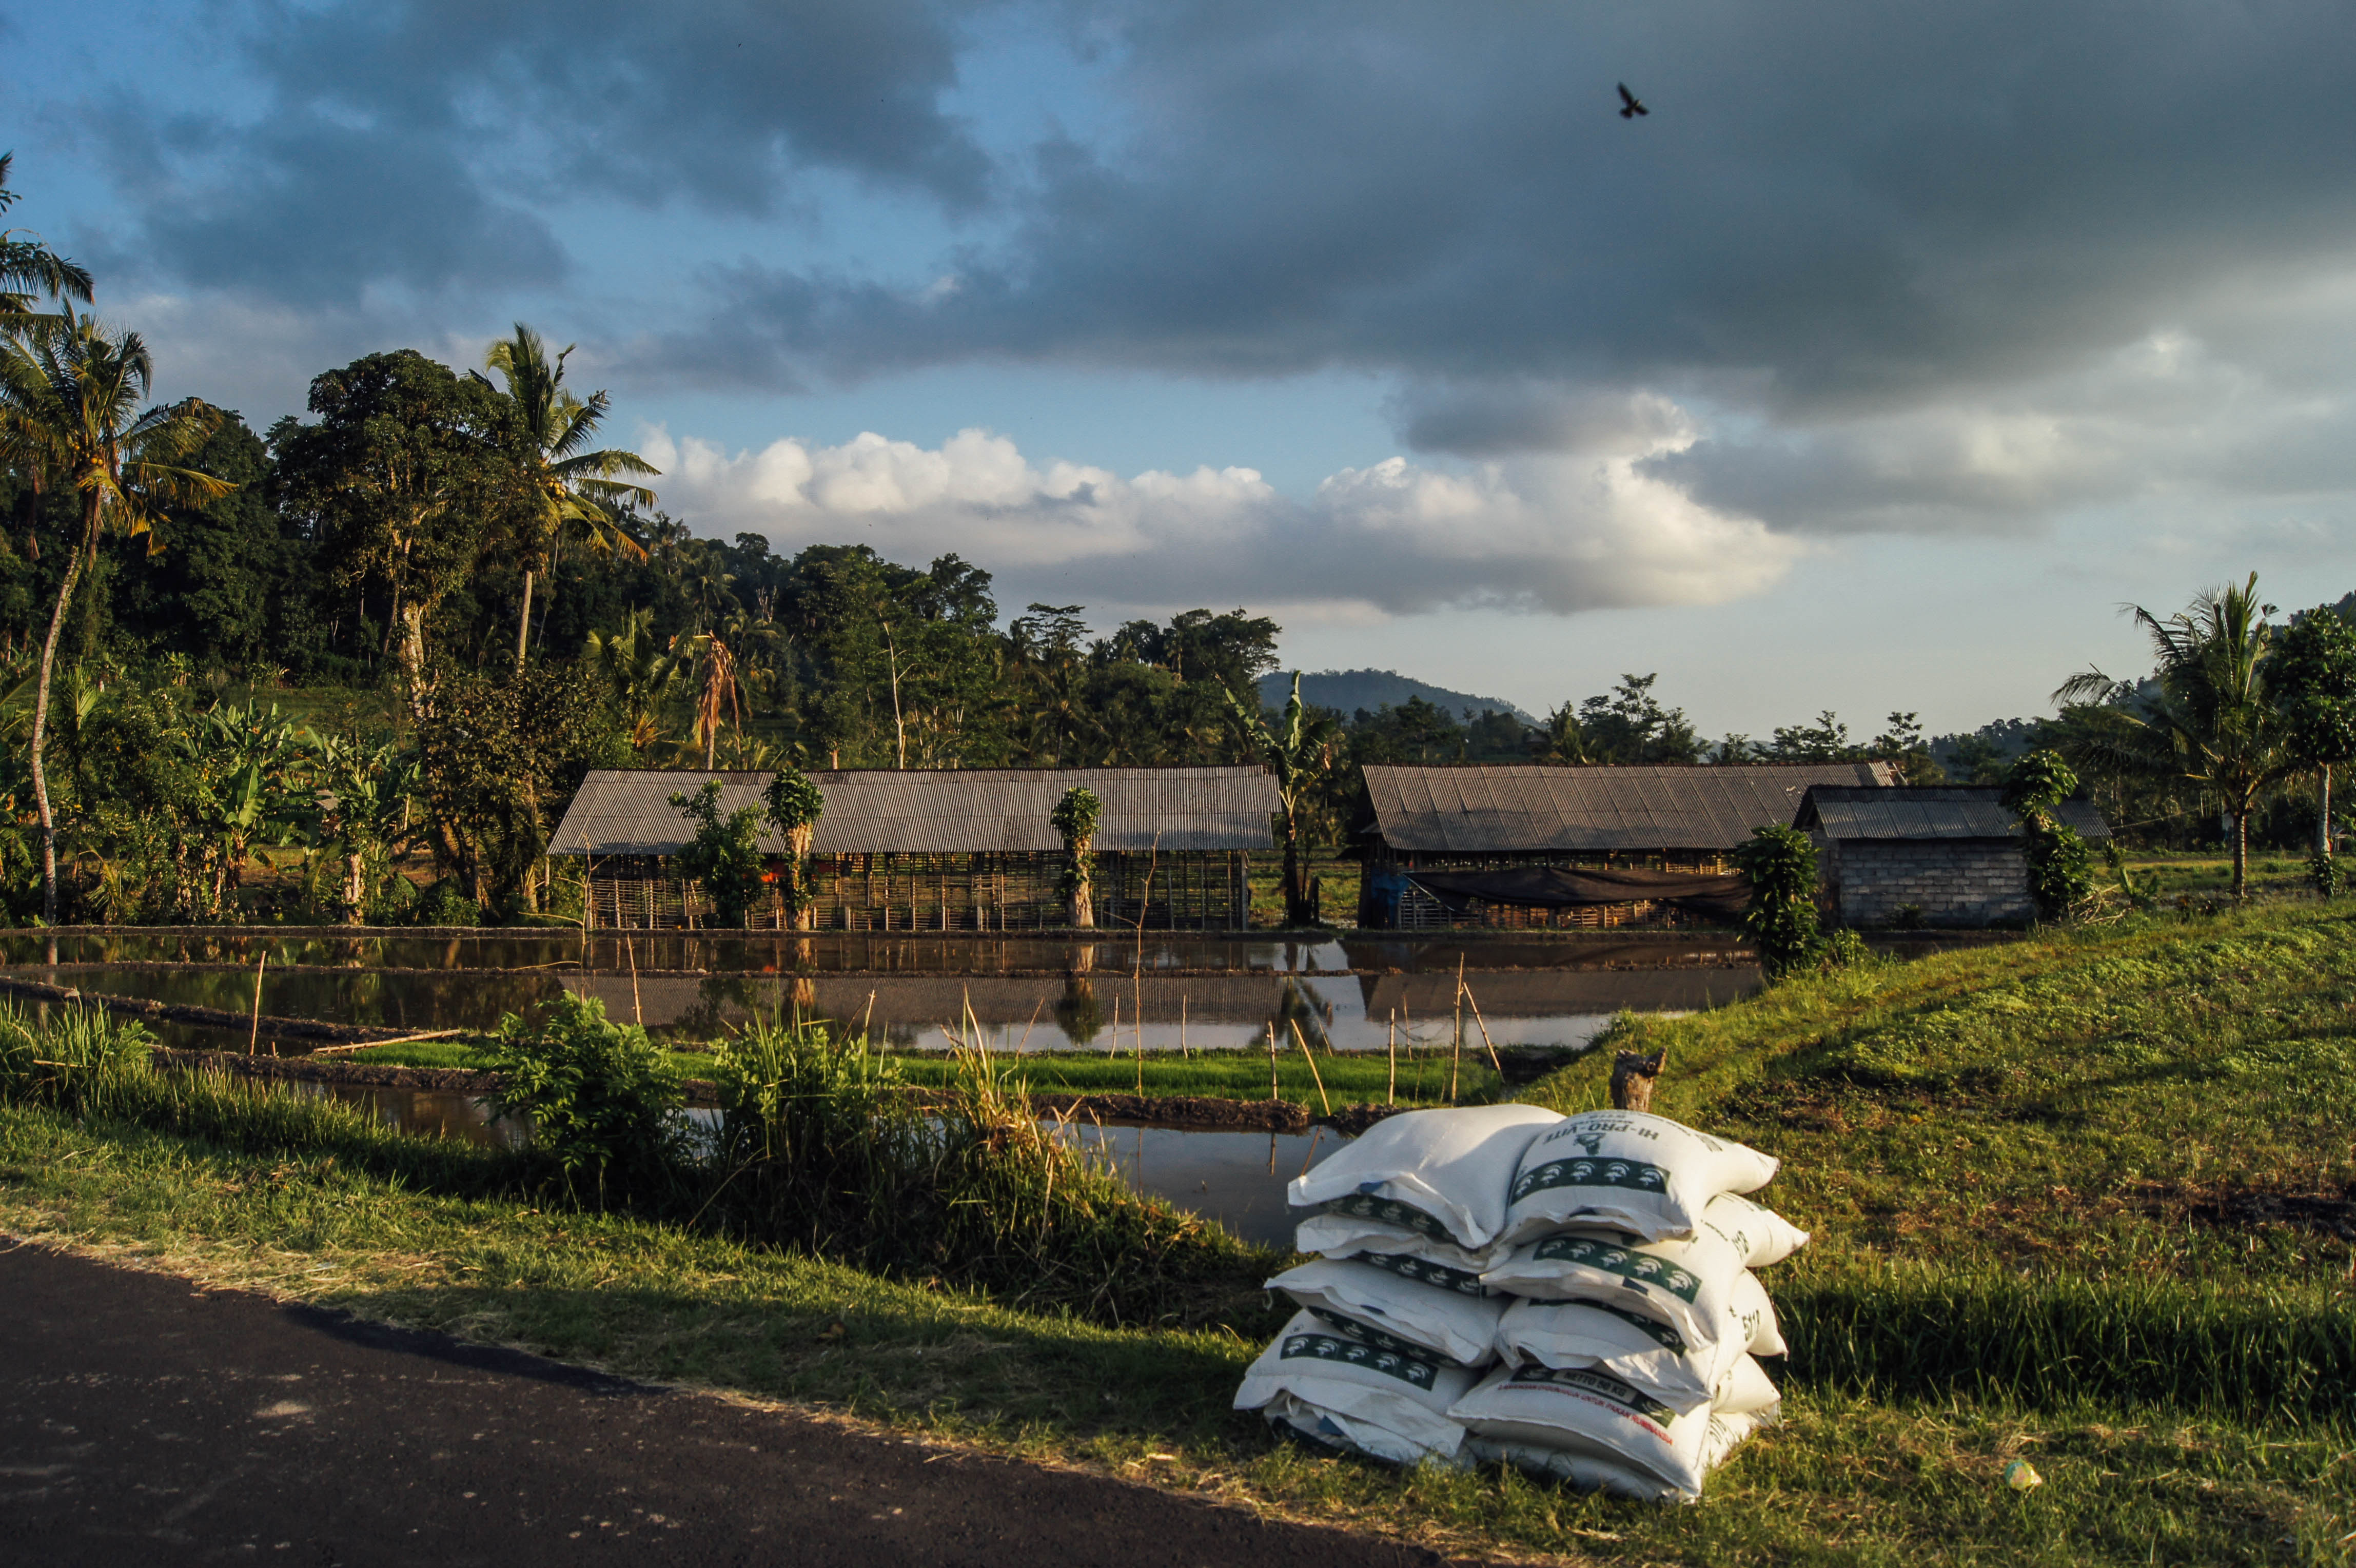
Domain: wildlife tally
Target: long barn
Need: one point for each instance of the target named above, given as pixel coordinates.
(1523, 844)
(957, 850)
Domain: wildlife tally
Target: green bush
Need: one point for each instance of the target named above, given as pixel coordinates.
(2060, 865)
(602, 1099)
(725, 856)
(1782, 920)
(69, 1061)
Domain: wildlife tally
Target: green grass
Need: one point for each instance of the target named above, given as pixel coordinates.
(1354, 1077)
(2012, 1158)
(2208, 874)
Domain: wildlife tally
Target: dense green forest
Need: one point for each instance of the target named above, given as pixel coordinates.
(353, 667)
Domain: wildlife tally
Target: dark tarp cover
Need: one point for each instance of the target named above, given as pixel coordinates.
(1555, 887)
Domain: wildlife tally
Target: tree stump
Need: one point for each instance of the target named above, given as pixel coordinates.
(1634, 1074)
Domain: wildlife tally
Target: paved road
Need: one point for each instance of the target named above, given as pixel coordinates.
(145, 1421)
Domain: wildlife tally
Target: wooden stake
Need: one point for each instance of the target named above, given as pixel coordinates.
(396, 1040)
(1634, 1074)
(253, 1035)
(1272, 1092)
(1494, 1060)
(1390, 1089)
(637, 1008)
(1456, 1052)
(1310, 1058)
(1182, 1025)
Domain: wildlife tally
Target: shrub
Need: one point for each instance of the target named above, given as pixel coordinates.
(724, 854)
(1782, 920)
(2060, 865)
(601, 1097)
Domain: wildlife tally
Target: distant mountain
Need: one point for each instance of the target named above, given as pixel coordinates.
(1347, 691)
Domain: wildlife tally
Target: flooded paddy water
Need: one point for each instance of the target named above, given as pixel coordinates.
(1159, 993)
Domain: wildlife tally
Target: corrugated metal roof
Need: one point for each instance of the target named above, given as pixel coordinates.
(1527, 807)
(1932, 812)
(954, 811)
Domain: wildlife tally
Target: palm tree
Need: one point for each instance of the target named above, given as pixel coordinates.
(643, 675)
(564, 486)
(28, 268)
(70, 396)
(2212, 722)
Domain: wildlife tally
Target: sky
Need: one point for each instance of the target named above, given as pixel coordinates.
(1874, 369)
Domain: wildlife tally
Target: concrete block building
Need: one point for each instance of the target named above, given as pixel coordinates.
(1926, 856)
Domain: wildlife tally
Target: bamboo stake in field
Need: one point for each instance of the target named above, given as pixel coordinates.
(1494, 1059)
(638, 1011)
(1390, 1089)
(253, 1035)
(1182, 1025)
(1310, 1058)
(1272, 1091)
(1456, 1051)
(1114, 1049)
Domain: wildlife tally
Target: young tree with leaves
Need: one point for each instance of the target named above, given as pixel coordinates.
(2060, 867)
(794, 805)
(1075, 820)
(2314, 685)
(725, 856)
(69, 414)
(1298, 749)
(1782, 920)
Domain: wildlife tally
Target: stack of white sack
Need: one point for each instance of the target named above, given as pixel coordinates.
(1630, 1351)
(1395, 1320)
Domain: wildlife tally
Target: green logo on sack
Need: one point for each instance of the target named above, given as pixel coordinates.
(1326, 1347)
(1353, 1330)
(1611, 1258)
(1426, 1271)
(1590, 1170)
(1391, 1212)
(1601, 1384)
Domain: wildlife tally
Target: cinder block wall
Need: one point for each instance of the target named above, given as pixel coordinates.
(1953, 882)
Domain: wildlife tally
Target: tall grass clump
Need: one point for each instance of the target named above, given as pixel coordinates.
(824, 1146)
(79, 1062)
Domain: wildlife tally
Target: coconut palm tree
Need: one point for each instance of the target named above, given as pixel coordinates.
(643, 674)
(70, 396)
(30, 268)
(2212, 722)
(565, 486)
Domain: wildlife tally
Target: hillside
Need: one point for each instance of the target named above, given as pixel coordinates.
(1347, 691)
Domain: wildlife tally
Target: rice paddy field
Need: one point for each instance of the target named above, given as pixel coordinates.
(2087, 1200)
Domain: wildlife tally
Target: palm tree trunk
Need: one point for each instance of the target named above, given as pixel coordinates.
(523, 622)
(2242, 851)
(40, 728)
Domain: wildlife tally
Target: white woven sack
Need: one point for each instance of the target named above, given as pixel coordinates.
(1761, 1235)
(1332, 1232)
(1590, 1473)
(1442, 1173)
(1749, 1391)
(1384, 1403)
(1436, 1310)
(1687, 1284)
(1638, 1349)
(1597, 1419)
(1628, 1170)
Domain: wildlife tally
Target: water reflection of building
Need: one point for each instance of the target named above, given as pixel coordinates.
(1526, 845)
(961, 850)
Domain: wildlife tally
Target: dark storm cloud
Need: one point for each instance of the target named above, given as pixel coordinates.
(1860, 202)
(400, 142)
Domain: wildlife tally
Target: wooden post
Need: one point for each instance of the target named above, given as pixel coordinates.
(1456, 1050)
(1272, 1092)
(1634, 1074)
(1390, 1089)
(1310, 1058)
(254, 1036)
(1182, 1025)
(1494, 1059)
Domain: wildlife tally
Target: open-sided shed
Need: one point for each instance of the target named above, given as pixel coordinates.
(962, 849)
(1947, 854)
(1676, 825)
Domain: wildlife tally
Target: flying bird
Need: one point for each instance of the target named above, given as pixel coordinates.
(1630, 105)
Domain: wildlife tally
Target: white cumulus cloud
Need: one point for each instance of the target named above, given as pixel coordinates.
(1557, 531)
